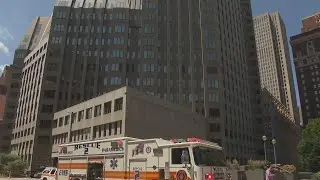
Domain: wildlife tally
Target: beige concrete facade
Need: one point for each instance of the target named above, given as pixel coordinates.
(125, 112)
(274, 60)
(31, 127)
(13, 75)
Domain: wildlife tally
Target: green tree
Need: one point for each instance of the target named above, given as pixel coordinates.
(16, 167)
(11, 163)
(309, 146)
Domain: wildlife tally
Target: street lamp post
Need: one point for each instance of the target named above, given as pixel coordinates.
(274, 150)
(264, 138)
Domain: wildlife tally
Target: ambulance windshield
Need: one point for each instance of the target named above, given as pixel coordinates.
(204, 156)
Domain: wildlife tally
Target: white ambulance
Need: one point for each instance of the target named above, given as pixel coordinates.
(145, 159)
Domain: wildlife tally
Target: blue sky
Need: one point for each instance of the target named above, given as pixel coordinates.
(17, 15)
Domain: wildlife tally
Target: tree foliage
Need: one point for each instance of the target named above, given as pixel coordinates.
(11, 164)
(258, 164)
(309, 146)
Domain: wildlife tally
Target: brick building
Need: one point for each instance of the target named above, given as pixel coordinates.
(306, 54)
(310, 22)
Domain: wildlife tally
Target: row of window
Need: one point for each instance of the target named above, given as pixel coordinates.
(98, 41)
(24, 133)
(149, 81)
(35, 54)
(31, 79)
(22, 147)
(93, 16)
(119, 28)
(108, 129)
(89, 113)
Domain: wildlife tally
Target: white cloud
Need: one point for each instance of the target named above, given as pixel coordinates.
(4, 48)
(2, 68)
(5, 35)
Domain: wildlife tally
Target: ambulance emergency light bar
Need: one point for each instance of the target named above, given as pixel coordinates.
(194, 140)
(186, 140)
(191, 140)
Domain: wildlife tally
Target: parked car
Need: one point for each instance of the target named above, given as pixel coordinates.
(37, 173)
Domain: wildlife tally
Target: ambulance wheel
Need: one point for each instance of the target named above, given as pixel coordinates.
(44, 179)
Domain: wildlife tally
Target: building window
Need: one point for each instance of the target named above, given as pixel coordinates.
(66, 120)
(110, 128)
(115, 81)
(60, 122)
(89, 113)
(214, 112)
(118, 40)
(148, 54)
(119, 28)
(118, 53)
(213, 97)
(73, 117)
(118, 104)
(148, 29)
(215, 127)
(80, 115)
(212, 70)
(97, 110)
(47, 108)
(55, 123)
(44, 124)
(115, 128)
(107, 107)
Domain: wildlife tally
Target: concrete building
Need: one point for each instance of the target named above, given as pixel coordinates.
(10, 86)
(162, 48)
(33, 36)
(125, 112)
(274, 59)
(279, 125)
(11, 81)
(3, 92)
(310, 22)
(31, 126)
(29, 58)
(306, 54)
(254, 78)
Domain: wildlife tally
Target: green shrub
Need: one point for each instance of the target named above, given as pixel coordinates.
(257, 164)
(316, 176)
(288, 168)
(11, 164)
